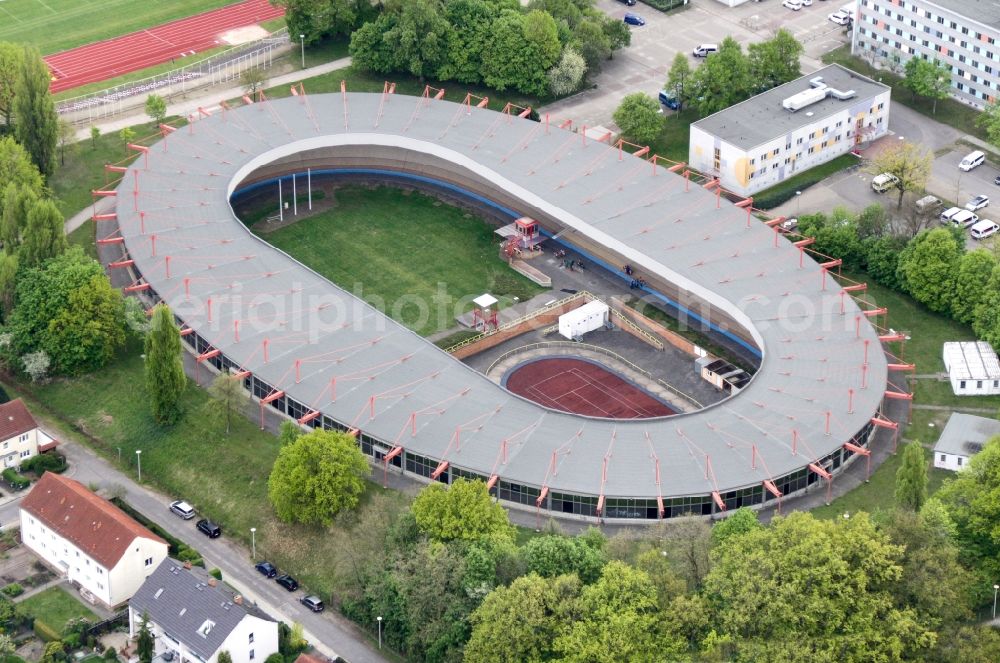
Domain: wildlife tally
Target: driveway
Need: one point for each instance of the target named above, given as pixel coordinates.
(644, 65)
(330, 633)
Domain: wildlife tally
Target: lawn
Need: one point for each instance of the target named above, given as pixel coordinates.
(949, 111)
(55, 606)
(58, 25)
(406, 253)
(785, 190)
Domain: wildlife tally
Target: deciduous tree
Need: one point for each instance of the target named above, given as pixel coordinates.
(16, 203)
(566, 76)
(17, 169)
(471, 22)
(144, 641)
(251, 80)
(521, 52)
(156, 107)
(974, 271)
(165, 379)
(35, 119)
(911, 478)
(8, 283)
(320, 19)
(986, 323)
(590, 39)
(419, 35)
(927, 268)
(228, 397)
(463, 511)
(679, 78)
(639, 118)
(316, 477)
(43, 236)
(10, 64)
(67, 139)
(742, 520)
(551, 556)
(775, 61)
(909, 162)
(972, 498)
(722, 80)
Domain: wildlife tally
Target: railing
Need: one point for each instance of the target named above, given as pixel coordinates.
(575, 345)
(225, 66)
(625, 321)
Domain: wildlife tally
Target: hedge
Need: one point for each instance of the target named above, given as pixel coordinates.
(17, 481)
(13, 589)
(45, 632)
(665, 5)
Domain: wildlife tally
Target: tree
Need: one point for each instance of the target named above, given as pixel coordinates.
(972, 499)
(521, 622)
(927, 78)
(165, 379)
(974, 270)
(618, 621)
(95, 133)
(67, 308)
(224, 657)
(17, 169)
(66, 139)
(127, 135)
(911, 477)
(316, 477)
(566, 76)
(288, 432)
(144, 641)
(36, 365)
(8, 283)
(321, 19)
(769, 605)
(915, 75)
(43, 236)
(228, 397)
(908, 162)
(986, 322)
(592, 42)
(10, 65)
(741, 521)
(882, 257)
(679, 78)
(369, 50)
(419, 34)
(722, 80)
(522, 49)
(639, 118)
(463, 511)
(16, 203)
(927, 268)
(251, 80)
(36, 122)
(55, 651)
(989, 120)
(471, 23)
(156, 108)
(775, 61)
(554, 555)
(619, 35)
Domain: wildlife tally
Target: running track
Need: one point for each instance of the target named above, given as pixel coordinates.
(581, 387)
(106, 59)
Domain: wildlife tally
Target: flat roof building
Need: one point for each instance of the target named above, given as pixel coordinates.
(774, 135)
(963, 437)
(973, 368)
(960, 33)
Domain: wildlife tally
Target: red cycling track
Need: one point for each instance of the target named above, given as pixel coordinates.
(113, 57)
(582, 387)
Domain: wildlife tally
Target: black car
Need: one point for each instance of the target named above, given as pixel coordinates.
(288, 582)
(314, 603)
(209, 529)
(266, 569)
(997, 180)
(630, 3)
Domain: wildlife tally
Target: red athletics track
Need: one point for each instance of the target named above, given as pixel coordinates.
(581, 387)
(106, 59)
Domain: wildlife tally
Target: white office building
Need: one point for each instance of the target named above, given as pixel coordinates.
(769, 138)
(962, 34)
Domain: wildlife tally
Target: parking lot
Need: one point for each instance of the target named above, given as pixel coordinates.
(643, 67)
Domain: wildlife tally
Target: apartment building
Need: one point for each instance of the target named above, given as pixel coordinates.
(962, 34)
(768, 138)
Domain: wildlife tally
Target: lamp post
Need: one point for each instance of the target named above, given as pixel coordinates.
(138, 460)
(253, 542)
(995, 589)
(798, 202)
(379, 619)
(302, 42)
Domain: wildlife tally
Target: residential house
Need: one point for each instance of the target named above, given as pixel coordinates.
(20, 436)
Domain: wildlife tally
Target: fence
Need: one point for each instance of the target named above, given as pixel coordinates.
(226, 66)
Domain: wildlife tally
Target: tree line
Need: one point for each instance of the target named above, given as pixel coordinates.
(544, 49)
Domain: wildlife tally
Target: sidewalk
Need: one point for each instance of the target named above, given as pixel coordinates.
(210, 97)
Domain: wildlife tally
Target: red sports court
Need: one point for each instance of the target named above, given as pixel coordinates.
(146, 48)
(583, 387)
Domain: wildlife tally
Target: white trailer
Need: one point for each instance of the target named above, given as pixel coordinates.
(579, 321)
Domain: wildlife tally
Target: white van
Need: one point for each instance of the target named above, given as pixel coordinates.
(971, 160)
(965, 218)
(704, 50)
(948, 213)
(884, 182)
(984, 229)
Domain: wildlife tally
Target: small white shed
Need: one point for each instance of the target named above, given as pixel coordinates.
(973, 368)
(963, 437)
(592, 315)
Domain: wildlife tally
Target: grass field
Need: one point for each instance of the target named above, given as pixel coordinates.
(408, 254)
(58, 25)
(55, 607)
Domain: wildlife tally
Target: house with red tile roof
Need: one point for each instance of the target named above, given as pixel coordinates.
(89, 540)
(20, 436)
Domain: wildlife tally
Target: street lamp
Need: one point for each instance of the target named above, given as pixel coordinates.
(138, 460)
(995, 589)
(253, 542)
(798, 203)
(379, 619)
(302, 42)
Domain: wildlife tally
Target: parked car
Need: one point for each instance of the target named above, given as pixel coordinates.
(208, 528)
(977, 203)
(669, 99)
(288, 582)
(788, 225)
(794, 5)
(634, 19)
(948, 213)
(996, 180)
(964, 219)
(984, 229)
(884, 182)
(630, 3)
(182, 509)
(266, 569)
(704, 50)
(314, 603)
(840, 17)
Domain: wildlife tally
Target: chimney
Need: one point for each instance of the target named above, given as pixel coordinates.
(238, 599)
(212, 582)
(187, 565)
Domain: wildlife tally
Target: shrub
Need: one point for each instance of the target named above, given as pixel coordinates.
(16, 481)
(42, 463)
(216, 573)
(110, 654)
(275, 658)
(13, 589)
(45, 632)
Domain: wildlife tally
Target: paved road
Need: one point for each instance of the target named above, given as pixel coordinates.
(331, 633)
